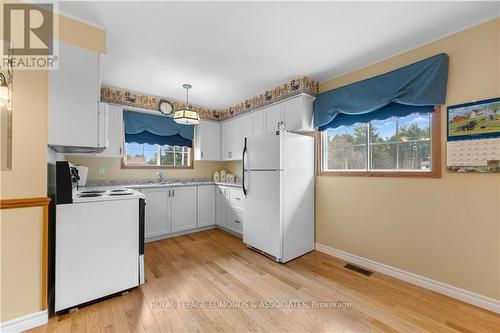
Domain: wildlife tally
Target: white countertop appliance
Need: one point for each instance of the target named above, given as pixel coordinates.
(278, 181)
(99, 241)
(82, 173)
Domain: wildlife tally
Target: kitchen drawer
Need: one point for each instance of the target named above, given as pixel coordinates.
(236, 197)
(224, 191)
(235, 222)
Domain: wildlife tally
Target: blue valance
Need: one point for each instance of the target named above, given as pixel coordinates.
(152, 129)
(150, 138)
(422, 84)
(388, 111)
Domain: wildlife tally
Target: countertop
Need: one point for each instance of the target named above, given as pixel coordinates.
(111, 185)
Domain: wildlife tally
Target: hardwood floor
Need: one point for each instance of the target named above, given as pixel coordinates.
(215, 267)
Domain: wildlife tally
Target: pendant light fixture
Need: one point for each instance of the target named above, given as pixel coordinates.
(185, 115)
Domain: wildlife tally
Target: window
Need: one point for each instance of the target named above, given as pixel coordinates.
(395, 146)
(154, 155)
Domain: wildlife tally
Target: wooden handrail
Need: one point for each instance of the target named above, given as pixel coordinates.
(24, 202)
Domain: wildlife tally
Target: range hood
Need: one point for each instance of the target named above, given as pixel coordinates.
(102, 136)
(73, 149)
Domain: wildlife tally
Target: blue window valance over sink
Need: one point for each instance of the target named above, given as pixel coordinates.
(147, 128)
(414, 88)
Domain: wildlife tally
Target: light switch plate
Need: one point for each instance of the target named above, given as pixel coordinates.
(102, 170)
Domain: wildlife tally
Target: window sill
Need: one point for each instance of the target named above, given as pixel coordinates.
(403, 174)
(156, 167)
(152, 167)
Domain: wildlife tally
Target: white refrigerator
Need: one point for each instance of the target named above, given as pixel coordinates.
(278, 182)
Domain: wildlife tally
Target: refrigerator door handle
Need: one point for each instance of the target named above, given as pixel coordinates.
(243, 174)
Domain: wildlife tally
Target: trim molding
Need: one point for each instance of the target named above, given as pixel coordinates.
(470, 297)
(24, 202)
(25, 322)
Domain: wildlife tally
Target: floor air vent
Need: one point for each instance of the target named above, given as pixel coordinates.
(358, 269)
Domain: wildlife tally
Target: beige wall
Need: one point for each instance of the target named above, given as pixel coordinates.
(445, 229)
(202, 169)
(20, 229)
(235, 167)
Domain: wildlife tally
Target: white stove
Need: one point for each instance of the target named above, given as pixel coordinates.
(99, 240)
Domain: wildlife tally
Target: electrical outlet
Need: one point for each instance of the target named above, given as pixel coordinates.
(102, 170)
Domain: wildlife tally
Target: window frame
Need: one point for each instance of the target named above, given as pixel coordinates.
(124, 164)
(435, 172)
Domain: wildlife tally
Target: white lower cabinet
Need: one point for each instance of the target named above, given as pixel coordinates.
(183, 207)
(206, 205)
(221, 200)
(229, 208)
(157, 212)
(235, 222)
(171, 210)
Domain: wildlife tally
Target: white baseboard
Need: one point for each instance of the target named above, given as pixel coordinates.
(177, 233)
(25, 322)
(237, 234)
(470, 297)
(190, 231)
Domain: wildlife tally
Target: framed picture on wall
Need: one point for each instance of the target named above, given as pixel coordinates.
(476, 120)
(474, 137)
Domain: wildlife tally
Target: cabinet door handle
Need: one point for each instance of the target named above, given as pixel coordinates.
(236, 221)
(201, 154)
(237, 198)
(169, 193)
(173, 193)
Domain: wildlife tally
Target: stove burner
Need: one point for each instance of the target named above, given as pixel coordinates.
(90, 195)
(121, 193)
(92, 192)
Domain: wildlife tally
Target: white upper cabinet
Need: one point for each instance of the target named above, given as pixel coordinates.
(73, 98)
(274, 116)
(224, 134)
(245, 130)
(297, 114)
(259, 122)
(246, 126)
(230, 139)
(115, 132)
(234, 139)
(207, 141)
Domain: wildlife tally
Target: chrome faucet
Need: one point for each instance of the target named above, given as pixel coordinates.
(162, 176)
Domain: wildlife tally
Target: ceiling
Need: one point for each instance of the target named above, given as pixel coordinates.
(231, 51)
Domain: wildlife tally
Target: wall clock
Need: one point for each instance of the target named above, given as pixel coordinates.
(165, 107)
